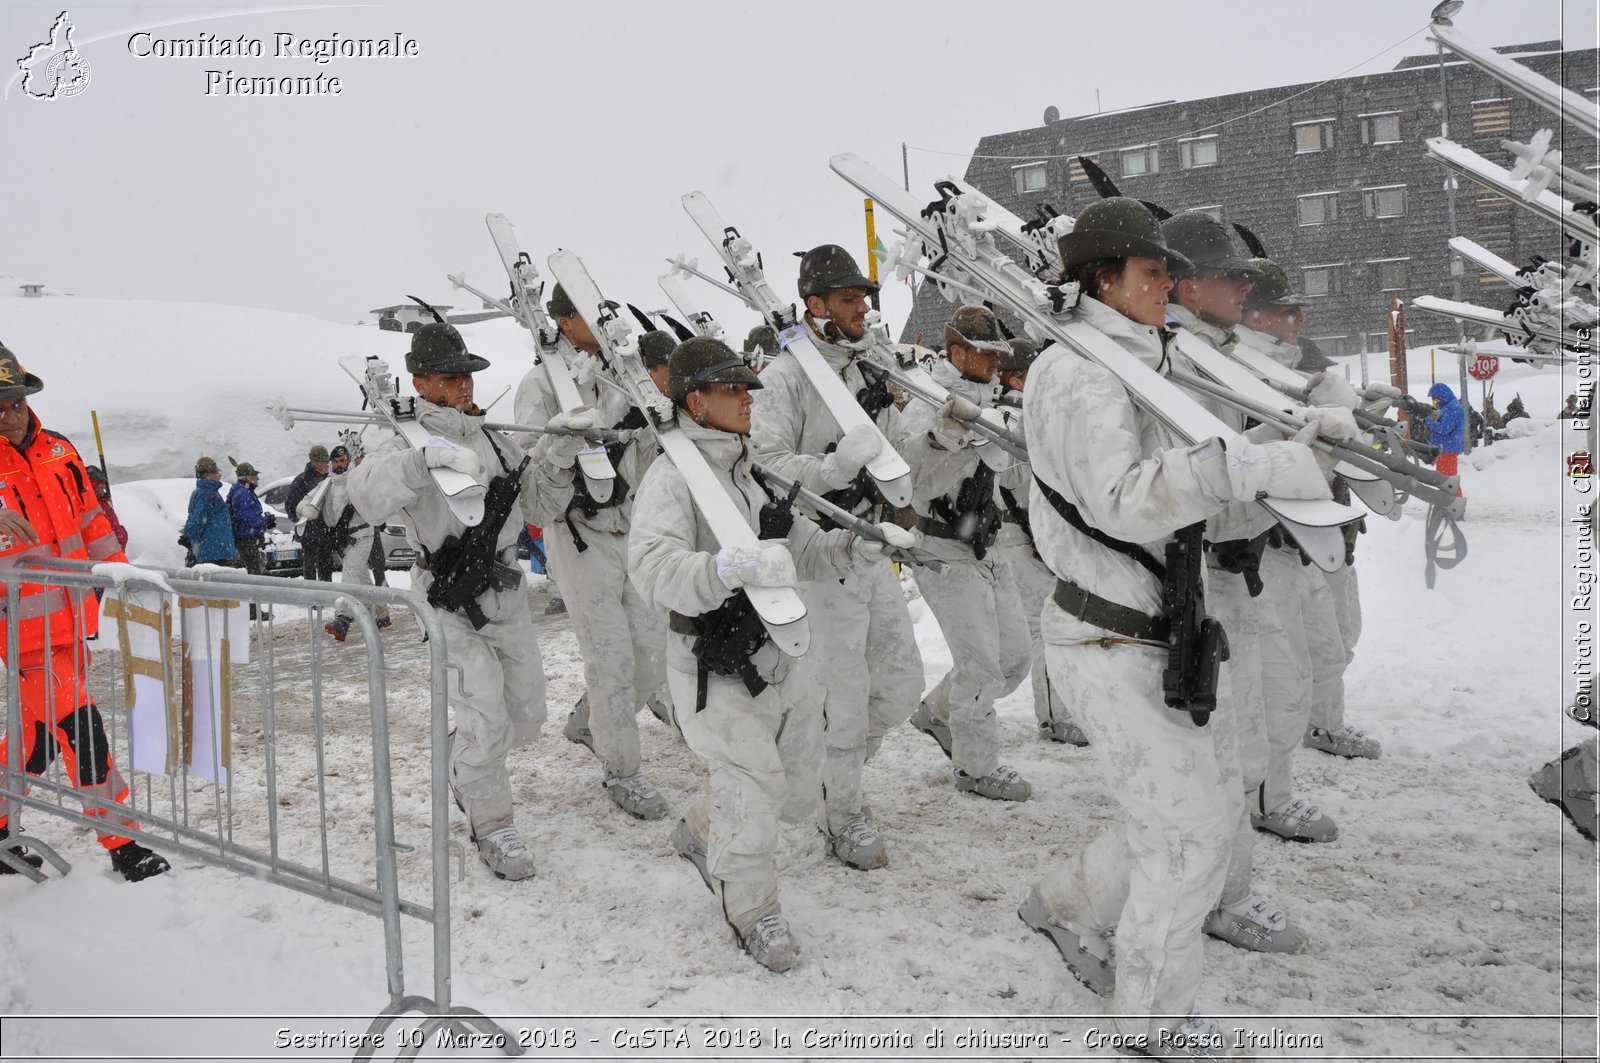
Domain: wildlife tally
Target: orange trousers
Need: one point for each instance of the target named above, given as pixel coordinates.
(59, 718)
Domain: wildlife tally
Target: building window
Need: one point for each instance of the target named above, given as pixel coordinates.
(1319, 208)
(1201, 151)
(1491, 118)
(1324, 280)
(1029, 178)
(1386, 202)
(1313, 136)
(1380, 128)
(1075, 169)
(1333, 346)
(1393, 273)
(1141, 160)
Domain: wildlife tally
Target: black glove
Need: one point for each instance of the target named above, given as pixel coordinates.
(272, 521)
(183, 541)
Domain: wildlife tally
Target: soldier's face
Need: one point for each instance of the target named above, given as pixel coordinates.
(341, 463)
(445, 389)
(659, 374)
(577, 332)
(1141, 292)
(1219, 295)
(14, 420)
(725, 407)
(1279, 322)
(846, 308)
(974, 364)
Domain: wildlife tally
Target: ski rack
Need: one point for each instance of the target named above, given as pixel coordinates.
(593, 463)
(780, 608)
(888, 470)
(953, 234)
(464, 494)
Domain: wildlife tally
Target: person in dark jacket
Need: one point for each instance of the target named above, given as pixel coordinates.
(209, 528)
(1446, 428)
(316, 540)
(250, 521)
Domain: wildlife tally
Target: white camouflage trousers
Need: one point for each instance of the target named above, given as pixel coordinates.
(496, 699)
(355, 566)
(622, 640)
(1035, 584)
(864, 669)
(1239, 725)
(980, 614)
(1302, 656)
(1327, 706)
(1155, 877)
(761, 757)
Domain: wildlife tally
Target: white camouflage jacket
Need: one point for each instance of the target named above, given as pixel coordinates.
(672, 553)
(937, 472)
(1285, 354)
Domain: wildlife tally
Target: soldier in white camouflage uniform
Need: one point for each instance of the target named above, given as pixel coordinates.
(622, 640)
(864, 667)
(975, 596)
(352, 540)
(1122, 476)
(1014, 546)
(497, 690)
(758, 744)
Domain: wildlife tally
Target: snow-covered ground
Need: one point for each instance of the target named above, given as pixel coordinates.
(1454, 917)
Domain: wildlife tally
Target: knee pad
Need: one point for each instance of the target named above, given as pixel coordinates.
(85, 734)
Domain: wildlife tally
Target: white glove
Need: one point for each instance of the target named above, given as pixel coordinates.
(958, 412)
(562, 450)
(1383, 398)
(1329, 422)
(461, 459)
(1284, 469)
(897, 538)
(766, 564)
(859, 446)
(1331, 390)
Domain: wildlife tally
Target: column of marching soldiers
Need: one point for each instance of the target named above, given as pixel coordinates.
(1040, 568)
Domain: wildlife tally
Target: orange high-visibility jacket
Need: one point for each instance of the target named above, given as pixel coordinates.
(45, 481)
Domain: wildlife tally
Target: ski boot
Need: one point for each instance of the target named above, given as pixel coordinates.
(136, 863)
(1065, 731)
(687, 846)
(635, 796)
(1568, 782)
(577, 728)
(1253, 924)
(1002, 784)
(1091, 957)
(770, 943)
(1193, 1038)
(338, 627)
(504, 853)
(924, 721)
(1345, 742)
(859, 846)
(1298, 821)
(33, 860)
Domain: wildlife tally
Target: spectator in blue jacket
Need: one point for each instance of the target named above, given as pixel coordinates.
(209, 528)
(250, 522)
(1446, 428)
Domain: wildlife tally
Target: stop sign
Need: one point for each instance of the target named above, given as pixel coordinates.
(1483, 367)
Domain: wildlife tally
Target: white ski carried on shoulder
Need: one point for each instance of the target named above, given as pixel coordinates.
(888, 470)
(598, 476)
(702, 322)
(1314, 524)
(780, 608)
(463, 494)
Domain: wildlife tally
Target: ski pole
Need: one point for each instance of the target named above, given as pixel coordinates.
(99, 445)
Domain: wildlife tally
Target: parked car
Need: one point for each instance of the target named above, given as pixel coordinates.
(282, 557)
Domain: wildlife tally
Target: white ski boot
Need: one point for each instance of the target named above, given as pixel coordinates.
(688, 847)
(1065, 731)
(1193, 1038)
(924, 721)
(1254, 924)
(770, 943)
(503, 852)
(635, 796)
(1091, 957)
(577, 728)
(1569, 783)
(859, 846)
(1347, 741)
(1002, 784)
(1298, 821)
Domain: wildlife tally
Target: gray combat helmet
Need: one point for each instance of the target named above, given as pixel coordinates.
(560, 305)
(701, 361)
(655, 348)
(1116, 227)
(1018, 358)
(827, 268)
(439, 348)
(1272, 288)
(1206, 243)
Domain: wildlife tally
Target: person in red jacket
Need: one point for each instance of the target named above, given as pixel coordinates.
(48, 509)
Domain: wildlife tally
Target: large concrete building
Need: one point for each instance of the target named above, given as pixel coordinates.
(1332, 177)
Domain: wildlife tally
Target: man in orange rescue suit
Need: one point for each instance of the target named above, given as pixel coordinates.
(48, 509)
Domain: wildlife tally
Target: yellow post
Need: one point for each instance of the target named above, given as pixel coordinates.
(872, 248)
(94, 418)
(1433, 367)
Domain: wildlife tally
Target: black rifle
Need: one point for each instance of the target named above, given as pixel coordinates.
(465, 566)
(1198, 644)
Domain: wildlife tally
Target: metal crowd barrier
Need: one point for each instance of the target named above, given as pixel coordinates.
(261, 797)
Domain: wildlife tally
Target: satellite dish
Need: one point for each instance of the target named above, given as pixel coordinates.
(1051, 114)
